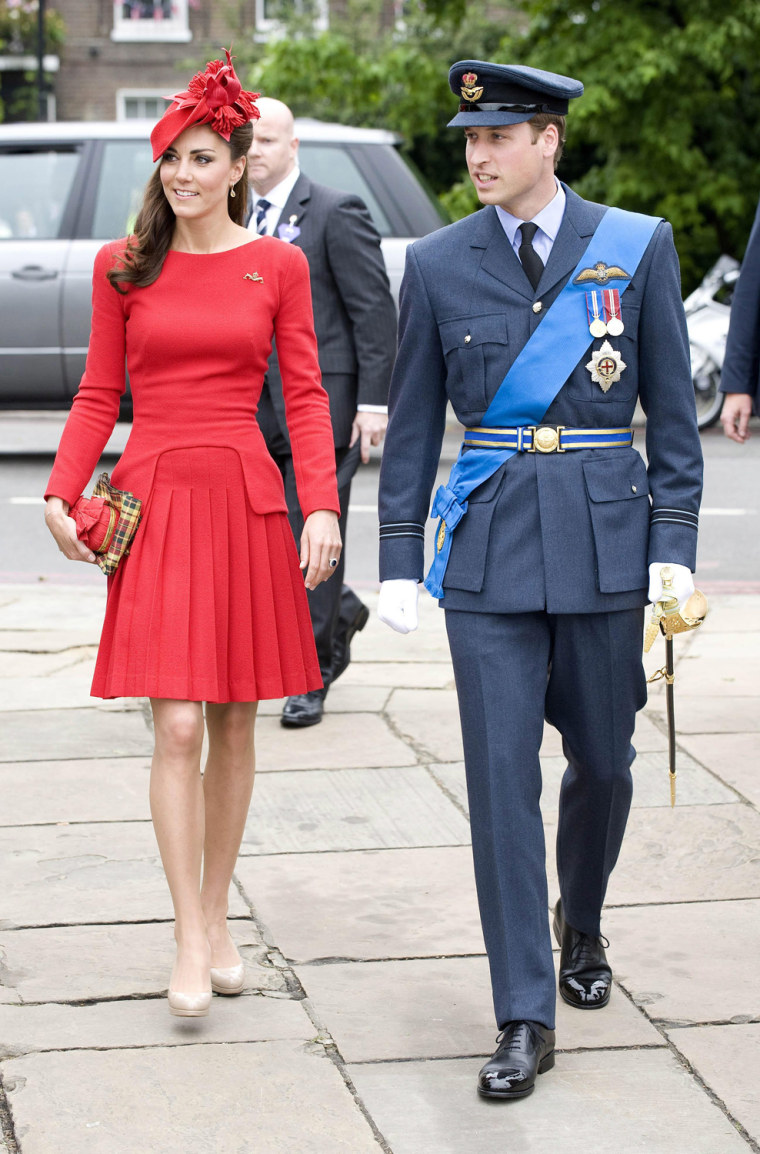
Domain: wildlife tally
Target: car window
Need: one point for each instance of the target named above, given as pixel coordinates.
(334, 166)
(124, 172)
(34, 188)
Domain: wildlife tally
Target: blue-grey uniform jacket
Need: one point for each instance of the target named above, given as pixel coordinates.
(570, 532)
(741, 367)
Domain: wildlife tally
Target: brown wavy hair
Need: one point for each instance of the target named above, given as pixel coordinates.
(148, 245)
(541, 121)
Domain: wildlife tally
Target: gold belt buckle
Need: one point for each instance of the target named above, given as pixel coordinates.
(546, 439)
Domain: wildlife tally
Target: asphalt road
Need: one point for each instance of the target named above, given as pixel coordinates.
(729, 556)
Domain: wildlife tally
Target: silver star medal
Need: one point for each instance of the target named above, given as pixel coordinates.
(605, 366)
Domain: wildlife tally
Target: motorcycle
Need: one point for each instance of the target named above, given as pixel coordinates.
(708, 310)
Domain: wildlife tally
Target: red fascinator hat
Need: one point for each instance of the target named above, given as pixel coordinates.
(214, 97)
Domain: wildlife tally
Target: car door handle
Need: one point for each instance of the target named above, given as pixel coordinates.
(34, 272)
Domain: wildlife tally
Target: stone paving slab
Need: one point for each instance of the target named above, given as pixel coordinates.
(628, 1101)
(269, 1097)
(442, 1007)
(651, 784)
(73, 734)
(45, 606)
(712, 714)
(111, 871)
(429, 719)
(70, 691)
(720, 665)
(363, 741)
(147, 1022)
(80, 963)
(369, 904)
(692, 853)
(695, 962)
(377, 642)
(732, 757)
(398, 675)
(49, 640)
(102, 789)
(733, 613)
(728, 1059)
(13, 665)
(348, 809)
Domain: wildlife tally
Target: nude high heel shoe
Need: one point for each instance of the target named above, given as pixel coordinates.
(189, 1005)
(230, 980)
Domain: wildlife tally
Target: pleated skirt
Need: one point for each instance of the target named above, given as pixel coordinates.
(210, 603)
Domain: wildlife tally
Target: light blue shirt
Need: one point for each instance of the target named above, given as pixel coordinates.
(548, 220)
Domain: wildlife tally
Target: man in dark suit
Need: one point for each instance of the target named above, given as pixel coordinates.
(740, 376)
(555, 530)
(355, 323)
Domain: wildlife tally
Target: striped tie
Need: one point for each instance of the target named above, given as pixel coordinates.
(261, 217)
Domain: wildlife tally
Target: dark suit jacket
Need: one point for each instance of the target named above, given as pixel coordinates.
(741, 366)
(571, 532)
(354, 312)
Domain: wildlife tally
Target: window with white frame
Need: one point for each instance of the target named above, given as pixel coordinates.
(151, 20)
(272, 16)
(139, 103)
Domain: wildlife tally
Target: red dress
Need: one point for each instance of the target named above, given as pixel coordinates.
(210, 604)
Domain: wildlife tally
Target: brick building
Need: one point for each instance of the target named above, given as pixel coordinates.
(120, 59)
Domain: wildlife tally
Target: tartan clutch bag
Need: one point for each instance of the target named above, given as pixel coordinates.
(107, 521)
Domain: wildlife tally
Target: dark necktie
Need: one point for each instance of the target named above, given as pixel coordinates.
(261, 217)
(529, 258)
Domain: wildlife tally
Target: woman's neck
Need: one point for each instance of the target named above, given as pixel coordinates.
(201, 236)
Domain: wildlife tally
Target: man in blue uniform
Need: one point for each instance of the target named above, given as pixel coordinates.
(542, 319)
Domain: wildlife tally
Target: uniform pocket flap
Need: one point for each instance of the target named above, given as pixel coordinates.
(469, 332)
(617, 478)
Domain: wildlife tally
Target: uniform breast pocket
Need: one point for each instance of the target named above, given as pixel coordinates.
(477, 358)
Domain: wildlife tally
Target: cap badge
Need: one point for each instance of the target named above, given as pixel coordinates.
(605, 366)
(601, 273)
(469, 90)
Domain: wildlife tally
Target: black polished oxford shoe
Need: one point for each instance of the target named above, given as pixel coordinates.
(526, 1049)
(303, 709)
(343, 638)
(585, 977)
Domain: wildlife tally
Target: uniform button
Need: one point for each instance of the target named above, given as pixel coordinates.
(537, 306)
(634, 489)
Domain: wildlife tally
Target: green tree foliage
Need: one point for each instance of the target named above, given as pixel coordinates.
(668, 121)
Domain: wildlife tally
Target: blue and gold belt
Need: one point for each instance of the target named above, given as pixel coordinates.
(546, 438)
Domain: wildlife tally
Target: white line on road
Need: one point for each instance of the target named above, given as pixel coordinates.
(25, 500)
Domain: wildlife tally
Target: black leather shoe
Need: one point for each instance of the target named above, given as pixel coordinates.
(585, 977)
(343, 638)
(303, 709)
(526, 1049)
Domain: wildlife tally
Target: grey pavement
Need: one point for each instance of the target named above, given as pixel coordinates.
(367, 1010)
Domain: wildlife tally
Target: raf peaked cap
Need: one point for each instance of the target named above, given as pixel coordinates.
(507, 93)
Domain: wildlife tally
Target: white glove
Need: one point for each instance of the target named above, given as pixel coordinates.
(397, 604)
(683, 581)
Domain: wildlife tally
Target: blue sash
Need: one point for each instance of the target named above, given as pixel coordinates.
(537, 374)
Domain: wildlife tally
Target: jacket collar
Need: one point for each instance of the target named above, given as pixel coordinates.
(500, 260)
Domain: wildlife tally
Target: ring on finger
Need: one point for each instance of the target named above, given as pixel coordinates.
(333, 562)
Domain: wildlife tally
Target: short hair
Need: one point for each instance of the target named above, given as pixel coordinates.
(541, 121)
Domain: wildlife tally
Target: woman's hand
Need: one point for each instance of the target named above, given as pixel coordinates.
(320, 543)
(64, 530)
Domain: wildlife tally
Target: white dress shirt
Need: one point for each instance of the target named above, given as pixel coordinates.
(548, 220)
(278, 198)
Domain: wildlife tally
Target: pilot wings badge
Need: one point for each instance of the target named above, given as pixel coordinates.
(468, 89)
(605, 366)
(601, 273)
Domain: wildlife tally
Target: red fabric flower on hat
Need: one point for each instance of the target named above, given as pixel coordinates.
(214, 97)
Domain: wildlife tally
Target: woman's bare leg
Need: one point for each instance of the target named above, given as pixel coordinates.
(177, 808)
(227, 787)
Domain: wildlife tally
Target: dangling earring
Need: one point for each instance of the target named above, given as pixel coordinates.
(232, 191)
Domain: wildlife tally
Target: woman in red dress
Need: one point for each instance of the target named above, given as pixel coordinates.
(209, 605)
